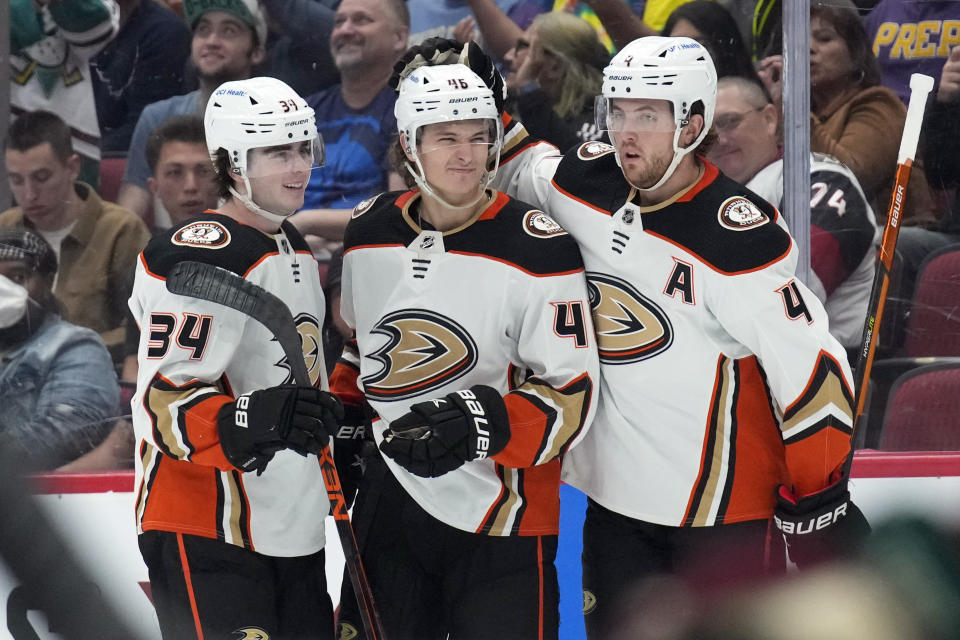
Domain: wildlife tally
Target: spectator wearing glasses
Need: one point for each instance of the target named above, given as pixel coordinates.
(843, 228)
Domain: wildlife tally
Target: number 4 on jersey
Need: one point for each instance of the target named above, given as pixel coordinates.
(568, 322)
(793, 303)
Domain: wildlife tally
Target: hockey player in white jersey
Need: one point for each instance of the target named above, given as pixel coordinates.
(843, 229)
(725, 403)
(474, 345)
(230, 498)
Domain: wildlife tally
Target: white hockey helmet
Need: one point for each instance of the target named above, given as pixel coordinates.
(258, 112)
(446, 93)
(676, 69)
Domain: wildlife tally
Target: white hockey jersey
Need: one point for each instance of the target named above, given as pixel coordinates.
(498, 301)
(195, 356)
(843, 238)
(719, 378)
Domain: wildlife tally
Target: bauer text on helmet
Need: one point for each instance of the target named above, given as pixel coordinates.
(244, 116)
(676, 70)
(447, 94)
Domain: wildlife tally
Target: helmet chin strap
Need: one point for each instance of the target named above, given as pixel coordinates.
(421, 180)
(678, 154)
(247, 200)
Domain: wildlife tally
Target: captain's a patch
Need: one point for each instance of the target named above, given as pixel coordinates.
(739, 214)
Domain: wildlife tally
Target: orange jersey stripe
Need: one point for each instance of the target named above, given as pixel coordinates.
(184, 420)
(757, 441)
(528, 424)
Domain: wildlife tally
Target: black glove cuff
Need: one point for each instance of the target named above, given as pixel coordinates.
(812, 513)
(236, 443)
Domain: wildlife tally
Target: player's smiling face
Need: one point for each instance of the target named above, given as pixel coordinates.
(746, 135)
(454, 157)
(279, 175)
(223, 46)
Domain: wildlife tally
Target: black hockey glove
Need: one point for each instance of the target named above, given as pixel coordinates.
(820, 526)
(438, 436)
(258, 424)
(434, 51)
(353, 446)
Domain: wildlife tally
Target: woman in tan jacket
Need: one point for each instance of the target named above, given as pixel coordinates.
(853, 118)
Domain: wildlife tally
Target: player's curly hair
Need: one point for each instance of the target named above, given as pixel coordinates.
(223, 172)
(398, 162)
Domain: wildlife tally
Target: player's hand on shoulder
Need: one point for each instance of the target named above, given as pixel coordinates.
(258, 424)
(436, 51)
(820, 526)
(432, 51)
(438, 436)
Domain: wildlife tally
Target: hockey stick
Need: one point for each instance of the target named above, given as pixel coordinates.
(920, 86)
(211, 283)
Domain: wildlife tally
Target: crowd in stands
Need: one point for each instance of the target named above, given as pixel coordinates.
(94, 79)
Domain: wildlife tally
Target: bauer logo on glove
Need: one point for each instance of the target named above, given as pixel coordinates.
(440, 435)
(819, 526)
(813, 523)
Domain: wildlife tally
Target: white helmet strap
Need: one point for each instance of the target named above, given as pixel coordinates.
(247, 200)
(678, 153)
(420, 177)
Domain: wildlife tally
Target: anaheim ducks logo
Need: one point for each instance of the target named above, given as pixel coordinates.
(208, 235)
(540, 225)
(311, 343)
(589, 601)
(424, 350)
(629, 327)
(347, 632)
(593, 150)
(739, 214)
(251, 633)
(363, 207)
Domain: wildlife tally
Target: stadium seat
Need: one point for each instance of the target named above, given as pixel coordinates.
(895, 310)
(111, 175)
(933, 326)
(921, 414)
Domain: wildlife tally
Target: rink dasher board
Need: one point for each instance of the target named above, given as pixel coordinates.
(94, 514)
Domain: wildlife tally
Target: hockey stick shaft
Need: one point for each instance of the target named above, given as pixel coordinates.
(214, 284)
(920, 86)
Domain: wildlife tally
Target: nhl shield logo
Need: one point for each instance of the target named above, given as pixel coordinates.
(739, 214)
(594, 150)
(540, 225)
(208, 235)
